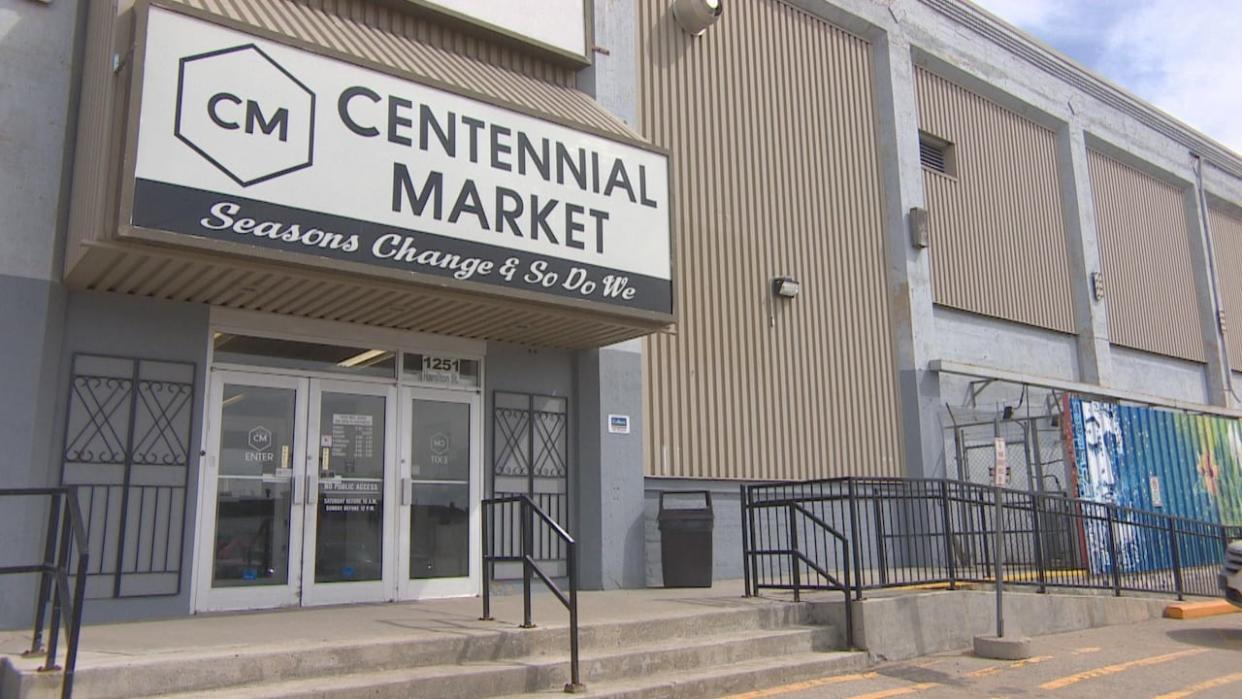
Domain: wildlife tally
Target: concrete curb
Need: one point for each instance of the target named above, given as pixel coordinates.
(1198, 610)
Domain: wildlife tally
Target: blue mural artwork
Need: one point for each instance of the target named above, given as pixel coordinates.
(1155, 461)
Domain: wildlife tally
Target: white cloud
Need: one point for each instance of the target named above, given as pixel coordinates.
(1184, 56)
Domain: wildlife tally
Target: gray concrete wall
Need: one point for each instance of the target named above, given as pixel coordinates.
(611, 521)
(37, 49)
(30, 311)
(1159, 375)
(727, 529)
(102, 323)
(905, 626)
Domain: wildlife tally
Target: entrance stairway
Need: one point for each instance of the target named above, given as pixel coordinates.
(693, 647)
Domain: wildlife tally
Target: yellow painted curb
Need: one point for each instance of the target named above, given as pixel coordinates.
(1198, 610)
(936, 586)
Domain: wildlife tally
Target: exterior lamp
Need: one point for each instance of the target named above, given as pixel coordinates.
(786, 287)
(695, 16)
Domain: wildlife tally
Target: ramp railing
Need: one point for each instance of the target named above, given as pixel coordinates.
(898, 532)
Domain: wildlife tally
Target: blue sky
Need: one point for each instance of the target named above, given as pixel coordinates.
(1184, 56)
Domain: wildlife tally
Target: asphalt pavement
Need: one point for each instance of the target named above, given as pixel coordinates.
(1164, 659)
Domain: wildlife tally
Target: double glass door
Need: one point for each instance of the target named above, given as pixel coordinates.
(320, 491)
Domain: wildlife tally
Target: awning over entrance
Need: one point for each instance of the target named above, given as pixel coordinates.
(292, 160)
(178, 275)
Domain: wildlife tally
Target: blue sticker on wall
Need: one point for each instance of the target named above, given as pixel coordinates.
(348, 572)
(250, 574)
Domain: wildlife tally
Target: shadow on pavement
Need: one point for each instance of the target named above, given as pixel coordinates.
(1223, 638)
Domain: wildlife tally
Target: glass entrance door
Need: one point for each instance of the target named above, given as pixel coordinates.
(440, 517)
(298, 486)
(348, 554)
(251, 533)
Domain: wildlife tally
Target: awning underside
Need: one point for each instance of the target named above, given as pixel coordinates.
(179, 275)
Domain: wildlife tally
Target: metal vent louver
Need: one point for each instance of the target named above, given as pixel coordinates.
(934, 156)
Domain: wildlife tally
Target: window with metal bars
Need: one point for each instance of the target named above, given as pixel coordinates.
(936, 154)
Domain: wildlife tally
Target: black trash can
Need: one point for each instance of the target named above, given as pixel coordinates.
(686, 542)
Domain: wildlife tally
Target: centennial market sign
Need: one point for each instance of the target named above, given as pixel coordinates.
(251, 141)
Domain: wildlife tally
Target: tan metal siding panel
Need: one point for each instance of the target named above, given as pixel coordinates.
(417, 46)
(1227, 244)
(998, 242)
(1145, 258)
(769, 117)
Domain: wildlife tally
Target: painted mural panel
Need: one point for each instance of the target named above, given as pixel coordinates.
(1124, 454)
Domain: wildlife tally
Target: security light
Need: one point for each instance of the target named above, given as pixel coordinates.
(695, 16)
(786, 287)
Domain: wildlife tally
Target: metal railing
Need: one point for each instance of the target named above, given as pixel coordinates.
(802, 551)
(64, 548)
(898, 532)
(500, 547)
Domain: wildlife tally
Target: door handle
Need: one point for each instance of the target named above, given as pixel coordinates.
(312, 489)
(407, 494)
(299, 493)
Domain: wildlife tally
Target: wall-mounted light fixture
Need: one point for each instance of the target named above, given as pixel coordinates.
(695, 16)
(1097, 286)
(786, 287)
(919, 237)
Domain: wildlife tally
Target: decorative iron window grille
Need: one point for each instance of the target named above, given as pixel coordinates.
(127, 448)
(530, 456)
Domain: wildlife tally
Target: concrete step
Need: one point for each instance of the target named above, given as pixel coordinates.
(537, 673)
(222, 668)
(705, 683)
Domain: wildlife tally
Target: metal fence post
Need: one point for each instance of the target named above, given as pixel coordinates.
(1112, 551)
(1177, 559)
(947, 517)
(746, 547)
(854, 539)
(575, 678)
(45, 578)
(1039, 543)
(487, 567)
(528, 546)
(794, 568)
(881, 551)
(998, 544)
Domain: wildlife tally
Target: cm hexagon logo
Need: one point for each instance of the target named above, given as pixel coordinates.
(259, 438)
(245, 114)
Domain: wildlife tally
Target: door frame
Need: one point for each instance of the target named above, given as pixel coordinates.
(268, 325)
(205, 597)
(432, 588)
(314, 593)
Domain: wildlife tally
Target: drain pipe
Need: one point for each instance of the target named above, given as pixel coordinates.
(1211, 256)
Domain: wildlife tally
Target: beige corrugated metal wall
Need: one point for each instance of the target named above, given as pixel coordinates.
(423, 49)
(268, 13)
(770, 122)
(1227, 243)
(998, 243)
(1145, 258)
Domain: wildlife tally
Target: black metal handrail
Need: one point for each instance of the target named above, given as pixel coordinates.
(64, 532)
(525, 556)
(798, 558)
(904, 532)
